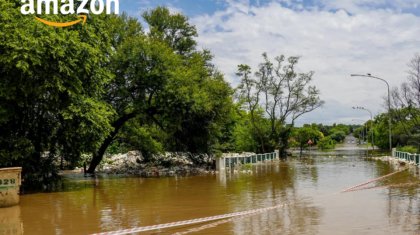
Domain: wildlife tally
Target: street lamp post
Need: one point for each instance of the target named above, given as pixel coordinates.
(389, 104)
(363, 131)
(371, 123)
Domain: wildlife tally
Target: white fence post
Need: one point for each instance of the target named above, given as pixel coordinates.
(220, 163)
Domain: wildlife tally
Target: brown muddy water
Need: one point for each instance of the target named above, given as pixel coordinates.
(308, 187)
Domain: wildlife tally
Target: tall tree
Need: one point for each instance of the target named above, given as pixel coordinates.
(406, 101)
(249, 93)
(160, 79)
(51, 81)
(284, 94)
(142, 67)
(174, 29)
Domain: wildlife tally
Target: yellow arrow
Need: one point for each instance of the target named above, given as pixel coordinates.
(65, 24)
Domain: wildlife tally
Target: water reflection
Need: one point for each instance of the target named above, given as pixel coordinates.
(10, 221)
(403, 206)
(307, 187)
(271, 185)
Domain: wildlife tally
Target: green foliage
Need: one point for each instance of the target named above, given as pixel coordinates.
(66, 92)
(304, 134)
(339, 132)
(340, 127)
(282, 93)
(167, 86)
(326, 143)
(405, 113)
(405, 128)
(408, 149)
(51, 83)
(381, 131)
(173, 29)
(338, 135)
(244, 135)
(135, 136)
(323, 136)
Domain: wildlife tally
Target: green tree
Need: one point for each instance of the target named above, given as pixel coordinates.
(282, 93)
(51, 82)
(381, 131)
(64, 92)
(338, 135)
(249, 96)
(173, 29)
(161, 80)
(304, 134)
(326, 143)
(141, 67)
(245, 136)
(406, 101)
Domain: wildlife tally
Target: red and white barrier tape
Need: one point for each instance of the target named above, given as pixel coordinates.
(189, 222)
(371, 181)
(386, 186)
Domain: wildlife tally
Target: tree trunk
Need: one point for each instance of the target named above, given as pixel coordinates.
(284, 141)
(301, 150)
(98, 155)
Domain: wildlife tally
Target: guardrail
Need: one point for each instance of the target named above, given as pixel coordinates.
(231, 161)
(408, 157)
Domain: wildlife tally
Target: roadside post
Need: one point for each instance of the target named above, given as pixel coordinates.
(310, 144)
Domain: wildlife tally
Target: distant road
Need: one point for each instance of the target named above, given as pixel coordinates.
(350, 142)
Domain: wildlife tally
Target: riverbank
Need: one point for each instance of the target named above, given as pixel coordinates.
(157, 165)
(160, 165)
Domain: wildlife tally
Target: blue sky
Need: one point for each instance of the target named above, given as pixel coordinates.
(334, 38)
(197, 7)
(188, 7)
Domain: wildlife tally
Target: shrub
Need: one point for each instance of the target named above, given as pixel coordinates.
(408, 149)
(326, 143)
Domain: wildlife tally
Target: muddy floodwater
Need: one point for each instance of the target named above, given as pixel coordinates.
(308, 188)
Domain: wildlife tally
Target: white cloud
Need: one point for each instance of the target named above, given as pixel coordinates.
(355, 6)
(334, 44)
(363, 5)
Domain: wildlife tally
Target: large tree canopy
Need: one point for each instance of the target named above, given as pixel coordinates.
(74, 90)
(78, 90)
(161, 80)
(51, 81)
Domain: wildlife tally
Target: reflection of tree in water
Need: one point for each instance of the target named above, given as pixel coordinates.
(404, 208)
(308, 169)
(403, 204)
(403, 201)
(271, 185)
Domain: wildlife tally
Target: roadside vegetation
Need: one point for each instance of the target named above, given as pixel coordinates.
(71, 96)
(405, 115)
(323, 137)
(74, 95)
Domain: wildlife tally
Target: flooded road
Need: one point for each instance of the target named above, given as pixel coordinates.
(308, 188)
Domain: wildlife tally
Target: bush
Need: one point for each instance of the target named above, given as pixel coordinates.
(408, 149)
(338, 136)
(326, 143)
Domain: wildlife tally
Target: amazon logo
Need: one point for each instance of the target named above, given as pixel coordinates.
(68, 7)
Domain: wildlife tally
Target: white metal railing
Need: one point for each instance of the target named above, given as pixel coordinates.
(409, 157)
(231, 161)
